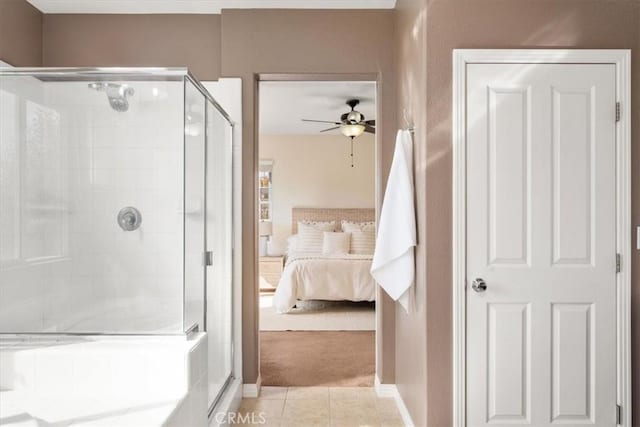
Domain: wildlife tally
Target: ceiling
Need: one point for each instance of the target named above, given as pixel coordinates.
(198, 6)
(283, 105)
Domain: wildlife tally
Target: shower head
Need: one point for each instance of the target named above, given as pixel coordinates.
(116, 94)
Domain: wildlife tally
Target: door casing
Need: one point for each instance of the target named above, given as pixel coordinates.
(621, 58)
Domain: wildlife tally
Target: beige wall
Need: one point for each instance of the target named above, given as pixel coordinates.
(78, 40)
(454, 24)
(315, 171)
(20, 33)
(411, 338)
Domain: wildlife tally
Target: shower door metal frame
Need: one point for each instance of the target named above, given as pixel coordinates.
(212, 405)
(78, 74)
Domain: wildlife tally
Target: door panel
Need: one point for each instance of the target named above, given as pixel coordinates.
(572, 178)
(509, 139)
(509, 361)
(541, 346)
(572, 352)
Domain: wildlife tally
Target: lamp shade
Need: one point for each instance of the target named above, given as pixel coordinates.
(265, 228)
(352, 131)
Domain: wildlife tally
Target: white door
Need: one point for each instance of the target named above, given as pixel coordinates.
(541, 224)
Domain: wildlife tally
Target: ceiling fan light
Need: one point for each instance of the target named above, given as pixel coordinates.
(352, 131)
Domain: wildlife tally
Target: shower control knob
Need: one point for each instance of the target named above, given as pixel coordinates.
(129, 218)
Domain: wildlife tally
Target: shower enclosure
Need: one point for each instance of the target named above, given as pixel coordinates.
(115, 207)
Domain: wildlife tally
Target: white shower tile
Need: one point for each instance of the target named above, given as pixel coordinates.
(142, 158)
(124, 179)
(104, 158)
(83, 265)
(79, 156)
(102, 138)
(103, 180)
(145, 179)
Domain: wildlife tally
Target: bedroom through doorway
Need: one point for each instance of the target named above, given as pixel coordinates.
(316, 232)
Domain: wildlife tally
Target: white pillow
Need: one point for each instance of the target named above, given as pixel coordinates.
(292, 243)
(335, 243)
(310, 236)
(363, 236)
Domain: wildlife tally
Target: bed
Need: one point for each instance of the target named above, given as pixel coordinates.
(333, 277)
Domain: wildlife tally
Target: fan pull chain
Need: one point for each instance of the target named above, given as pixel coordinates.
(351, 151)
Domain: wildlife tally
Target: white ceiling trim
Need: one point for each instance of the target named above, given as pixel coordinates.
(198, 6)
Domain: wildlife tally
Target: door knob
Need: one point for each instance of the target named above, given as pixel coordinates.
(479, 285)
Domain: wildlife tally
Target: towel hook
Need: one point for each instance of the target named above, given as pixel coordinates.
(408, 126)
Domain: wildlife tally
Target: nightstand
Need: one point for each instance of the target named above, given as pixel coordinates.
(270, 270)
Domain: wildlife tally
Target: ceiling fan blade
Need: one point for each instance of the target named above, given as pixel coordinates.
(320, 121)
(369, 129)
(333, 128)
(370, 122)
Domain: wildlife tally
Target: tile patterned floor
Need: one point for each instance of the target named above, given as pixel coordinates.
(322, 406)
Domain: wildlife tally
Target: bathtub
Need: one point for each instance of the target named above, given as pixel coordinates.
(106, 381)
(153, 316)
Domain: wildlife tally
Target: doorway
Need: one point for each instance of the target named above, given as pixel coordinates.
(541, 224)
(317, 184)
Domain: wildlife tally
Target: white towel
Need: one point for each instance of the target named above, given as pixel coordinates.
(393, 264)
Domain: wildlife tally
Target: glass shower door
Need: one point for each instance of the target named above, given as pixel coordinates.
(220, 245)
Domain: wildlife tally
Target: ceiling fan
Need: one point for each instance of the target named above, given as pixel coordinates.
(352, 124)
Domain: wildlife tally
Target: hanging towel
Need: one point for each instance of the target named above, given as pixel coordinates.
(393, 264)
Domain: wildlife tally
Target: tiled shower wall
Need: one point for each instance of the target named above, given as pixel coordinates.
(66, 264)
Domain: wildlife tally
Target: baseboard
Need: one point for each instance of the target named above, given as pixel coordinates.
(390, 390)
(252, 390)
(385, 390)
(404, 412)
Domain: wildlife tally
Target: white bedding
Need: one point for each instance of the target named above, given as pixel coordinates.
(324, 277)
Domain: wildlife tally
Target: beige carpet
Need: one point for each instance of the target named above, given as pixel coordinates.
(317, 358)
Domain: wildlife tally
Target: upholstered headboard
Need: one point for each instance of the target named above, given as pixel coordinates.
(330, 214)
